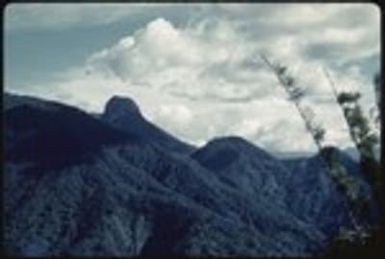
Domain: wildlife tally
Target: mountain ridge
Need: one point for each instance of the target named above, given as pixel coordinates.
(147, 193)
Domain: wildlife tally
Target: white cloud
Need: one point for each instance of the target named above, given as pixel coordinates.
(206, 79)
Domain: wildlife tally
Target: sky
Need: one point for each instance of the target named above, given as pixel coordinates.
(195, 69)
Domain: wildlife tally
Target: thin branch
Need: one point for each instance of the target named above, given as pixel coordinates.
(296, 102)
(331, 82)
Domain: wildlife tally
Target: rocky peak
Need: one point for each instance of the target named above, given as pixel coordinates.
(119, 106)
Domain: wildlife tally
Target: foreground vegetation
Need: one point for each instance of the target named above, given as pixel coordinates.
(361, 239)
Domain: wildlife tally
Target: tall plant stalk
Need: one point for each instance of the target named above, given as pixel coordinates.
(345, 183)
(363, 139)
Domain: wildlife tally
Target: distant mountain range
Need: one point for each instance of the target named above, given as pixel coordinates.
(115, 184)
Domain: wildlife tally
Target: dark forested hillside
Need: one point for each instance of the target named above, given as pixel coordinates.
(121, 186)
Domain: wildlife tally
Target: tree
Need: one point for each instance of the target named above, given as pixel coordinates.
(359, 132)
(364, 138)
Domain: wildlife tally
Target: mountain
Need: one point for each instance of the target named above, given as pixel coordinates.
(50, 134)
(300, 185)
(316, 198)
(244, 166)
(123, 114)
(117, 185)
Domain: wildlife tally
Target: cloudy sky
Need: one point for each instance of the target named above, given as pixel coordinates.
(195, 69)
